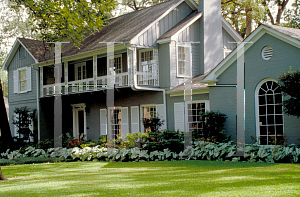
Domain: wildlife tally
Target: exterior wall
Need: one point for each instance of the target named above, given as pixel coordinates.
(176, 99)
(21, 99)
(164, 66)
(256, 69)
(226, 39)
(166, 23)
(94, 102)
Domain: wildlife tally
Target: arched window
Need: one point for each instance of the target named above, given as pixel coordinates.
(269, 115)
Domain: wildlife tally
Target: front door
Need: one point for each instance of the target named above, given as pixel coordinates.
(79, 120)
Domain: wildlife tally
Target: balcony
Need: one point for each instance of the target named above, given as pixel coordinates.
(90, 74)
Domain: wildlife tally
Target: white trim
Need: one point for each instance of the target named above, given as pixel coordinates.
(75, 109)
(121, 62)
(258, 86)
(231, 31)
(190, 60)
(18, 80)
(256, 35)
(140, 57)
(154, 22)
(163, 41)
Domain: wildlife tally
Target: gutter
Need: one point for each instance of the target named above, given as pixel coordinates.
(136, 87)
(37, 102)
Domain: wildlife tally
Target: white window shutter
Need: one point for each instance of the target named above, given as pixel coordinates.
(142, 120)
(124, 121)
(135, 119)
(207, 105)
(160, 110)
(16, 81)
(28, 78)
(103, 122)
(179, 116)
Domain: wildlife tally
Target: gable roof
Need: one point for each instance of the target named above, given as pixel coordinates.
(286, 34)
(34, 50)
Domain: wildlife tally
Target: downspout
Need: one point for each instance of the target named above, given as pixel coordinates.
(135, 86)
(37, 101)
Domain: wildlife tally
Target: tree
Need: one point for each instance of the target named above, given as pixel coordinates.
(65, 20)
(1, 176)
(241, 13)
(280, 4)
(290, 86)
(140, 4)
(292, 16)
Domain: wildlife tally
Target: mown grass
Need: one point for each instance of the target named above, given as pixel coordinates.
(169, 178)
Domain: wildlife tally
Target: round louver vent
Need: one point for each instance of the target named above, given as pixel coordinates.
(267, 53)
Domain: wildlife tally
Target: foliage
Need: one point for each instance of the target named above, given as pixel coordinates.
(292, 16)
(166, 139)
(140, 4)
(290, 85)
(23, 117)
(135, 139)
(66, 19)
(153, 124)
(213, 123)
(200, 151)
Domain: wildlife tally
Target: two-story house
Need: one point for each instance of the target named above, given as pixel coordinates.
(156, 49)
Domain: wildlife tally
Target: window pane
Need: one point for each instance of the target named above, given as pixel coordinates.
(270, 109)
(279, 129)
(262, 110)
(263, 130)
(262, 100)
(263, 140)
(278, 109)
(278, 99)
(271, 140)
(263, 120)
(270, 119)
(278, 119)
(271, 130)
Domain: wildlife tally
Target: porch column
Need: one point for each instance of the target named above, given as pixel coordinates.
(66, 78)
(95, 72)
(41, 82)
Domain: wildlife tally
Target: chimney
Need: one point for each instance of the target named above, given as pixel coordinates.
(211, 33)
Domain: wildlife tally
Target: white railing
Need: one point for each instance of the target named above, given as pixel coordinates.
(149, 75)
(86, 85)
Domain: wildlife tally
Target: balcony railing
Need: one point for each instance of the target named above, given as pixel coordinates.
(86, 85)
(149, 75)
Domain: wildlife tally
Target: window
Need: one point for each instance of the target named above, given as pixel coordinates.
(184, 61)
(146, 57)
(195, 123)
(188, 118)
(22, 80)
(148, 113)
(118, 64)
(116, 126)
(270, 116)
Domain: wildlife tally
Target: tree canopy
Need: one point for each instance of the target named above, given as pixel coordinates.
(290, 86)
(65, 20)
(292, 16)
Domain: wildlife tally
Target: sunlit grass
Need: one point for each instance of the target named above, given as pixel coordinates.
(172, 178)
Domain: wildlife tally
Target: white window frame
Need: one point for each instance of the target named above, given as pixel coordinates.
(190, 60)
(75, 109)
(16, 79)
(257, 109)
(143, 65)
(19, 82)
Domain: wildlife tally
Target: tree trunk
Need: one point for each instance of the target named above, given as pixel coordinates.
(248, 22)
(1, 176)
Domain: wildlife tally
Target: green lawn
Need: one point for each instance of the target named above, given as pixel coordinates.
(169, 178)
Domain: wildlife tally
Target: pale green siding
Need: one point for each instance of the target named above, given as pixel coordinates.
(256, 69)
